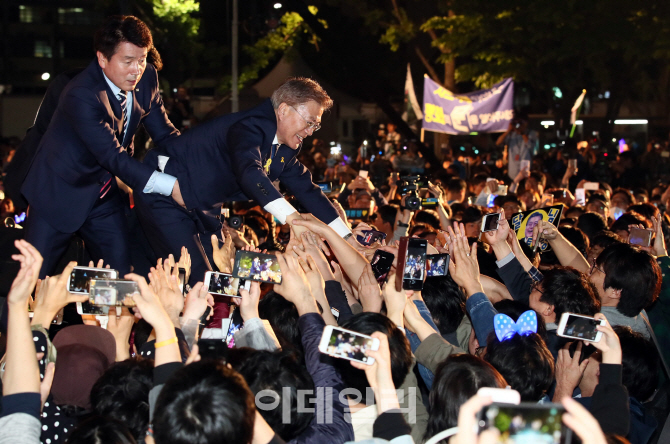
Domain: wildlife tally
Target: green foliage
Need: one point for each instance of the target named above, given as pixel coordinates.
(179, 11)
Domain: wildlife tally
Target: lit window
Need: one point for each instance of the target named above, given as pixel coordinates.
(26, 14)
(43, 49)
(73, 16)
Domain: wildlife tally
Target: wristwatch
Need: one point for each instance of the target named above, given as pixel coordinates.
(346, 237)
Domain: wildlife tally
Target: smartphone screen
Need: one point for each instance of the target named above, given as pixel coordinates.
(221, 283)
(490, 222)
(580, 196)
(326, 187)
(86, 308)
(381, 265)
(369, 237)
(257, 267)
(640, 236)
(112, 292)
(415, 264)
(80, 277)
(346, 344)
(580, 327)
(213, 349)
(437, 265)
(526, 422)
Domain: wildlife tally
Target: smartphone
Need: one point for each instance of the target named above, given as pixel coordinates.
(490, 222)
(640, 236)
(257, 267)
(472, 200)
(437, 265)
(580, 196)
(369, 237)
(363, 173)
(182, 279)
(224, 284)
(381, 264)
(86, 308)
(78, 281)
(593, 186)
(213, 349)
(362, 214)
(579, 327)
(502, 190)
(526, 422)
(548, 199)
(112, 292)
(501, 396)
(559, 194)
(346, 344)
(326, 187)
(525, 165)
(492, 184)
(413, 263)
(429, 202)
(573, 164)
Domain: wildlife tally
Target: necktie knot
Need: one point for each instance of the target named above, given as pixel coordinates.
(122, 96)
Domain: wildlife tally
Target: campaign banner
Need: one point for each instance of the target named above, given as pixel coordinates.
(485, 111)
(523, 223)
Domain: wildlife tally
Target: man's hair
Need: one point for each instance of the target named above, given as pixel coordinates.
(456, 185)
(524, 361)
(99, 429)
(258, 225)
(298, 90)
(388, 213)
(446, 303)
(640, 363)
(204, 402)
(401, 353)
(457, 379)
(569, 290)
(122, 393)
(539, 177)
(479, 179)
(125, 28)
(428, 217)
(605, 238)
(629, 196)
(591, 223)
(283, 317)
(629, 218)
(279, 373)
(645, 209)
(634, 272)
(577, 238)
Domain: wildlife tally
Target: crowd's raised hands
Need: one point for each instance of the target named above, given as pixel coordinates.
(463, 264)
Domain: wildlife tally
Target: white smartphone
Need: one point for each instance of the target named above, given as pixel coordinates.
(224, 284)
(580, 196)
(363, 174)
(86, 308)
(581, 327)
(501, 396)
(79, 280)
(593, 186)
(490, 222)
(525, 165)
(346, 344)
(113, 292)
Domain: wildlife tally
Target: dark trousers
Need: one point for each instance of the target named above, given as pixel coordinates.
(168, 227)
(105, 234)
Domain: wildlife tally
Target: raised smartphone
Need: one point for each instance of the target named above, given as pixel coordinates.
(346, 344)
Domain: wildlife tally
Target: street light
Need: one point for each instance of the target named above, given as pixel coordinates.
(277, 5)
(46, 76)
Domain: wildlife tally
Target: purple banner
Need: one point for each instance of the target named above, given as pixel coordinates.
(485, 111)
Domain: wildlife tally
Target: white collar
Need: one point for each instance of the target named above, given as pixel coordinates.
(115, 89)
(275, 141)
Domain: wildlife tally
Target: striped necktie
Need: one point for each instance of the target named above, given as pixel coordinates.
(123, 98)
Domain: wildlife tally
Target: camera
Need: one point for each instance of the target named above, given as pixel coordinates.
(235, 222)
(408, 186)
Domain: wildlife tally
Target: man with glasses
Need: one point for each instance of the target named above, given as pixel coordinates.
(237, 157)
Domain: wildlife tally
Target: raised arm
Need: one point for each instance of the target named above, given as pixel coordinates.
(567, 254)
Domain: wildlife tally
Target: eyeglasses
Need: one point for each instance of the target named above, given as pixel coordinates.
(593, 267)
(314, 126)
(536, 286)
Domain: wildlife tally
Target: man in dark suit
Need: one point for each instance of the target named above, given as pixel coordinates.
(237, 157)
(71, 185)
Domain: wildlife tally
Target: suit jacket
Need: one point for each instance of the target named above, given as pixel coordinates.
(80, 150)
(222, 160)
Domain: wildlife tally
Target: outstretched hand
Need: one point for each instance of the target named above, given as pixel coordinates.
(24, 282)
(463, 264)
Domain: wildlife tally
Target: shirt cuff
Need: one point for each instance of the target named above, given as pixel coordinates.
(339, 227)
(280, 208)
(160, 183)
(506, 260)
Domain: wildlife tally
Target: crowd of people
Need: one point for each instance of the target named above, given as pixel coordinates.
(193, 365)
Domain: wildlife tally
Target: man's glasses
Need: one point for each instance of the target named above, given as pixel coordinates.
(314, 126)
(536, 286)
(593, 267)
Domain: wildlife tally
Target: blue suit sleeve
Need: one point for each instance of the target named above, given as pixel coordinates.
(297, 178)
(156, 122)
(516, 279)
(481, 313)
(329, 423)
